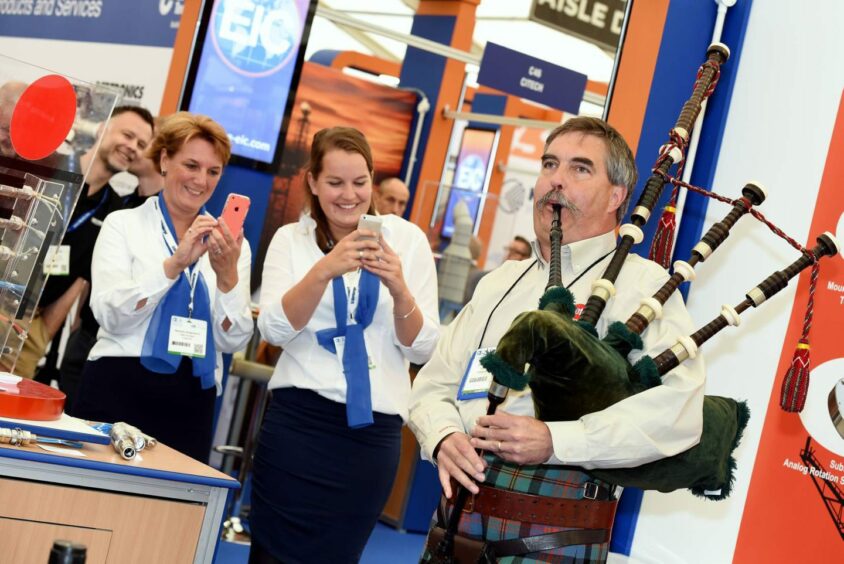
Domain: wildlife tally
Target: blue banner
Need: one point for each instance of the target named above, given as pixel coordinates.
(127, 22)
(531, 78)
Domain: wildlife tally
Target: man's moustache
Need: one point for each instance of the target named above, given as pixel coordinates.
(555, 197)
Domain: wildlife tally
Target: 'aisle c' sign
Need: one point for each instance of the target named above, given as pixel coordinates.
(596, 21)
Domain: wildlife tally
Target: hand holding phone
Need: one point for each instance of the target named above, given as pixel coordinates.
(234, 213)
(372, 223)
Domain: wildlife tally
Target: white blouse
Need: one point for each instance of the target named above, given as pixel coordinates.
(304, 363)
(128, 266)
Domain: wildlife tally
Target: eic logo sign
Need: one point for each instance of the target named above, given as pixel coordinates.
(471, 173)
(255, 37)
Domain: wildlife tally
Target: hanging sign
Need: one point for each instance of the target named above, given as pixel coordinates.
(531, 78)
(596, 21)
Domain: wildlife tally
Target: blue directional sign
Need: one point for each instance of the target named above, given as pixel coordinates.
(531, 78)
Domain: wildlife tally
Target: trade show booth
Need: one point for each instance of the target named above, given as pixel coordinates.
(732, 109)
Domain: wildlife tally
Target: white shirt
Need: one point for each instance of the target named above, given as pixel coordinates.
(659, 422)
(128, 266)
(304, 363)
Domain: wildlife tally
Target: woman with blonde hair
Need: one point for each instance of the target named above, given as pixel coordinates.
(170, 290)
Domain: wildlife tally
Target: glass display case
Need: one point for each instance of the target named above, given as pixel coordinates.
(46, 122)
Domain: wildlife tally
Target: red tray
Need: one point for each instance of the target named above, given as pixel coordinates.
(31, 400)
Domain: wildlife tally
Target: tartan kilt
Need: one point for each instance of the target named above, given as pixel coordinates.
(545, 480)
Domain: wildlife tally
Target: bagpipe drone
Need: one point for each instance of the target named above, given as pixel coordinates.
(572, 372)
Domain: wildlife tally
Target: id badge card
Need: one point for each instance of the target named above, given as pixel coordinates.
(57, 260)
(187, 336)
(476, 379)
(340, 347)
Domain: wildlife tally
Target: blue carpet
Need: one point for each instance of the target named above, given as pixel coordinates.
(389, 546)
(385, 546)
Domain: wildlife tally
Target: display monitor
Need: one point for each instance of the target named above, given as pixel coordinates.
(470, 175)
(245, 64)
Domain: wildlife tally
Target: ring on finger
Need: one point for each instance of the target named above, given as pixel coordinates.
(360, 255)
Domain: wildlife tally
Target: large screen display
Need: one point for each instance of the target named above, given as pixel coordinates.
(249, 61)
(470, 176)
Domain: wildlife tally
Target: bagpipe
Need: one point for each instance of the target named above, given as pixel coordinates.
(572, 372)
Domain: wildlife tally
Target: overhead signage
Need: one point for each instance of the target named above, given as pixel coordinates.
(124, 22)
(596, 21)
(531, 78)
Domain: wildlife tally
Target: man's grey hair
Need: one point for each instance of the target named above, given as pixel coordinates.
(621, 166)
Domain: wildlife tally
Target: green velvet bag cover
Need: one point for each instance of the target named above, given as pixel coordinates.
(572, 373)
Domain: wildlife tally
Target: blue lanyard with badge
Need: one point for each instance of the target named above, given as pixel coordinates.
(351, 281)
(187, 335)
(86, 217)
(57, 259)
(476, 380)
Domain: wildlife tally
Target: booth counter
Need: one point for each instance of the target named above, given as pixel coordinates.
(162, 506)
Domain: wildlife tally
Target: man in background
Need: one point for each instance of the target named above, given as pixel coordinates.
(518, 249)
(122, 142)
(10, 92)
(82, 339)
(391, 197)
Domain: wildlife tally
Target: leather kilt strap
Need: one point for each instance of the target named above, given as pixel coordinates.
(472, 551)
(548, 541)
(556, 512)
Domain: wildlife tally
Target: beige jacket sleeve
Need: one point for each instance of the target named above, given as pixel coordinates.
(433, 399)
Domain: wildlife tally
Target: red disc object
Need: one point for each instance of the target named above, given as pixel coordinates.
(30, 400)
(43, 116)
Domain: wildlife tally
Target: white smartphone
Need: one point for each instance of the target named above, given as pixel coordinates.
(371, 222)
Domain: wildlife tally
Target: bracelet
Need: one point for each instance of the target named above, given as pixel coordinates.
(408, 314)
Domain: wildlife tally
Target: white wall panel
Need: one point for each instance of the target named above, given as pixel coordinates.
(780, 121)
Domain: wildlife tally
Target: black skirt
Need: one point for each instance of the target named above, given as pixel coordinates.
(173, 408)
(318, 486)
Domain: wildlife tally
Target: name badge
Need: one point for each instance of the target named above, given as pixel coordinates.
(187, 336)
(57, 260)
(340, 346)
(476, 380)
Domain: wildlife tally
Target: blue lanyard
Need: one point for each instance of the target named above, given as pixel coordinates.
(85, 217)
(168, 233)
(353, 281)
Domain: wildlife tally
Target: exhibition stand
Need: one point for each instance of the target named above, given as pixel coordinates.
(778, 120)
(162, 506)
(123, 506)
